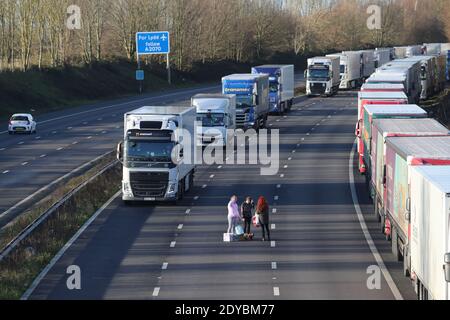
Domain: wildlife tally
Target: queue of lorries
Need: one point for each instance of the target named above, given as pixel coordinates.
(156, 165)
(405, 157)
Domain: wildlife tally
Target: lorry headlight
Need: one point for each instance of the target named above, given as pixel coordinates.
(126, 188)
(172, 188)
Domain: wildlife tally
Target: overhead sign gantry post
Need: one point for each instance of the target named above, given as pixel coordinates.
(157, 42)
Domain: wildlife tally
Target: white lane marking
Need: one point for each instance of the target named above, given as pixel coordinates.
(286, 166)
(5, 172)
(290, 158)
(219, 167)
(276, 291)
(274, 265)
(60, 148)
(308, 134)
(188, 211)
(211, 176)
(273, 244)
(38, 137)
(274, 210)
(24, 163)
(75, 142)
(276, 198)
(53, 132)
(270, 125)
(293, 151)
(313, 129)
(61, 252)
(99, 119)
(184, 92)
(366, 232)
(278, 186)
(69, 128)
(156, 291)
(42, 156)
(204, 186)
(2, 149)
(85, 122)
(173, 244)
(196, 197)
(329, 116)
(180, 226)
(273, 226)
(21, 142)
(164, 266)
(303, 139)
(90, 137)
(278, 120)
(104, 132)
(282, 175)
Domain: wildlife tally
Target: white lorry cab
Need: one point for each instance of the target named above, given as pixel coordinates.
(157, 153)
(216, 118)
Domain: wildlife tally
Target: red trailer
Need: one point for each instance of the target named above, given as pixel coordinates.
(367, 98)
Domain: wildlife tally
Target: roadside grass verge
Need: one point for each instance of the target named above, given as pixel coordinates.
(25, 262)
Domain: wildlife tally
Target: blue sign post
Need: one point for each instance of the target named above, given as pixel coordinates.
(157, 42)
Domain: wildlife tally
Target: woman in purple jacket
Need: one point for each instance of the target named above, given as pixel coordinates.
(233, 214)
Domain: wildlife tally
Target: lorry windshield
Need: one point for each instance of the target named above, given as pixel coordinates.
(148, 150)
(273, 86)
(211, 119)
(244, 100)
(318, 73)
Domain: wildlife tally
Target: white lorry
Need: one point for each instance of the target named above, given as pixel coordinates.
(216, 114)
(322, 76)
(350, 69)
(157, 153)
(430, 236)
(412, 51)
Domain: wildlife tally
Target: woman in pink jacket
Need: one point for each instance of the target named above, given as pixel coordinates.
(233, 214)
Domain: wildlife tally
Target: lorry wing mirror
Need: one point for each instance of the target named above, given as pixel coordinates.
(119, 152)
(447, 267)
(384, 175)
(305, 74)
(358, 129)
(255, 100)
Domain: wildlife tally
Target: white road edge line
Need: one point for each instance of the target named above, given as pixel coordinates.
(366, 232)
(50, 184)
(61, 252)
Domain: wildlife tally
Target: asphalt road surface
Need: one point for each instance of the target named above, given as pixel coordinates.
(318, 249)
(67, 139)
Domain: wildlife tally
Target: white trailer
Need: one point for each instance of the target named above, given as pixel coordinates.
(322, 76)
(432, 48)
(216, 118)
(281, 84)
(400, 52)
(157, 153)
(382, 56)
(350, 69)
(429, 77)
(430, 236)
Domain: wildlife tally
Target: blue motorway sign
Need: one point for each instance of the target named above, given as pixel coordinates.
(140, 75)
(153, 42)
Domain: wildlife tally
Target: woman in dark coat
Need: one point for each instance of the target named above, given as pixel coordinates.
(262, 209)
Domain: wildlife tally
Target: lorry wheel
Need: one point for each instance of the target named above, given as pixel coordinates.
(394, 243)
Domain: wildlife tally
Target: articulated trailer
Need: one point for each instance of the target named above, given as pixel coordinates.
(383, 129)
(386, 111)
(430, 231)
(403, 153)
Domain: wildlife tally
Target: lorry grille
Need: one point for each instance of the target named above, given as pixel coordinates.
(149, 184)
(241, 118)
(317, 88)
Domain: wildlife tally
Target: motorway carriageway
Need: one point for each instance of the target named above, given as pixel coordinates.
(67, 139)
(324, 237)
